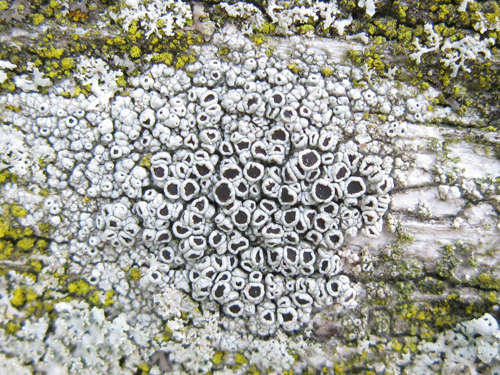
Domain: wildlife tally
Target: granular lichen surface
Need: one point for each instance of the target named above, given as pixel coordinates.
(276, 187)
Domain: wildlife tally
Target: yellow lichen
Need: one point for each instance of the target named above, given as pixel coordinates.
(18, 211)
(18, 298)
(25, 244)
(135, 52)
(79, 287)
(67, 63)
(38, 19)
(217, 358)
(135, 274)
(240, 359)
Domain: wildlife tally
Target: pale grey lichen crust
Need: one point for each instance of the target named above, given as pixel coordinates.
(240, 181)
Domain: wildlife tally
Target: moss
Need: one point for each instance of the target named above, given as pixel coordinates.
(18, 211)
(240, 359)
(109, 298)
(4, 5)
(135, 52)
(405, 289)
(79, 287)
(44, 193)
(492, 298)
(143, 368)
(38, 19)
(430, 285)
(121, 81)
(54, 4)
(25, 244)
(164, 57)
(294, 68)
(217, 358)
(95, 298)
(402, 236)
(36, 265)
(6, 249)
(146, 161)
(446, 264)
(485, 281)
(184, 60)
(267, 28)
(51, 52)
(326, 71)
(67, 63)
(223, 51)
(11, 328)
(305, 29)
(18, 298)
(135, 274)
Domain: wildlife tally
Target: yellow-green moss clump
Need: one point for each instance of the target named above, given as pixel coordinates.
(79, 287)
(146, 161)
(217, 359)
(184, 60)
(135, 52)
(22, 295)
(26, 244)
(67, 63)
(37, 19)
(240, 359)
(135, 274)
(18, 211)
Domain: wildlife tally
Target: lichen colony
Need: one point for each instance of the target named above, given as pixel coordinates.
(246, 206)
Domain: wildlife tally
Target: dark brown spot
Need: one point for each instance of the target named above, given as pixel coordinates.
(287, 317)
(254, 172)
(341, 173)
(203, 170)
(242, 187)
(189, 189)
(159, 172)
(255, 291)
(164, 210)
(243, 145)
(291, 254)
(217, 239)
(354, 187)
(219, 292)
(277, 98)
(335, 238)
(323, 192)
(231, 173)
(302, 301)
(172, 189)
(309, 159)
(181, 230)
(290, 217)
(237, 245)
(253, 100)
(223, 192)
(235, 309)
(279, 135)
(241, 217)
(164, 237)
(286, 197)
